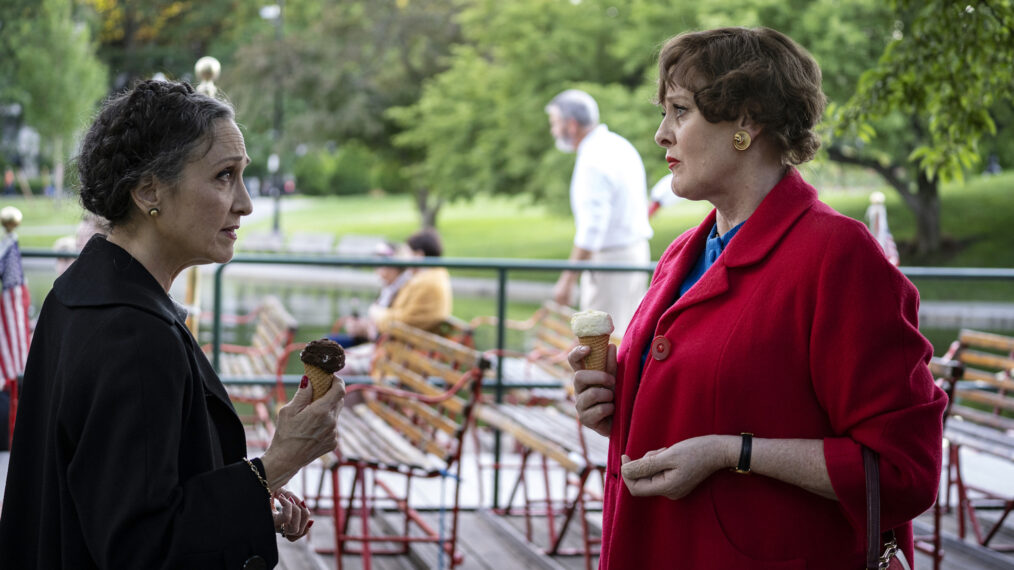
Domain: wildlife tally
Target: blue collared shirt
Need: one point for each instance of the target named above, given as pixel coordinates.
(714, 247)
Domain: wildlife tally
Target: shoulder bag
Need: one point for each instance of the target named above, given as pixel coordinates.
(891, 557)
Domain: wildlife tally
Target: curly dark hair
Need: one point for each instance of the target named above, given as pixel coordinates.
(148, 132)
(758, 73)
(426, 241)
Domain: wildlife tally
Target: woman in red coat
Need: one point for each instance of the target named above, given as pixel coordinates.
(776, 317)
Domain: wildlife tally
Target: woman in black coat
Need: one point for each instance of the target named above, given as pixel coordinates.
(128, 452)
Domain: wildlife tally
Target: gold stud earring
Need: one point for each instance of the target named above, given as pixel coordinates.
(741, 140)
(153, 212)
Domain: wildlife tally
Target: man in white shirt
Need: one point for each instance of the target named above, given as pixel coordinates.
(608, 196)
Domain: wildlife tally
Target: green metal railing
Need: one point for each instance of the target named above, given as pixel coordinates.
(501, 267)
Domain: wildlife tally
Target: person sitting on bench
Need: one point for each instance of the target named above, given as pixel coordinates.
(424, 302)
(356, 329)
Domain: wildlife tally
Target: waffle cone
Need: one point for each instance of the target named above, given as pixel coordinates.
(599, 345)
(320, 381)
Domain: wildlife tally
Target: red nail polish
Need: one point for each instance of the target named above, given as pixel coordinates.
(309, 524)
(304, 382)
(302, 504)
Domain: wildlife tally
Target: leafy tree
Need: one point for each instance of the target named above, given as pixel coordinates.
(340, 66)
(138, 39)
(481, 125)
(347, 170)
(459, 86)
(946, 67)
(938, 74)
(50, 63)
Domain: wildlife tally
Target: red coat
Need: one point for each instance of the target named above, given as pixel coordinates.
(801, 329)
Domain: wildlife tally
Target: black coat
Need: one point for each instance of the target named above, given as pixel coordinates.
(127, 451)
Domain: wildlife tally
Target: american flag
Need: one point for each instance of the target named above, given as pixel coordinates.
(13, 310)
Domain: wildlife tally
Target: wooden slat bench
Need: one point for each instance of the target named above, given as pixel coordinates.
(980, 420)
(543, 422)
(456, 330)
(263, 241)
(553, 432)
(405, 424)
(316, 243)
(547, 340)
(264, 358)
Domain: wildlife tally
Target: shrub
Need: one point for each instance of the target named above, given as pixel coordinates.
(388, 175)
(351, 175)
(344, 171)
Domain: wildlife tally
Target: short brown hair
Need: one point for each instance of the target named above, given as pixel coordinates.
(426, 241)
(755, 72)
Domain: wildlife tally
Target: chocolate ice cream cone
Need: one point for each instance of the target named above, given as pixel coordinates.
(320, 380)
(321, 359)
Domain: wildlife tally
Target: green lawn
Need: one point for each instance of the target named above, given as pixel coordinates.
(976, 220)
(976, 217)
(44, 220)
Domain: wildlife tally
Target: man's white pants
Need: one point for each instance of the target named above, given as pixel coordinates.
(616, 292)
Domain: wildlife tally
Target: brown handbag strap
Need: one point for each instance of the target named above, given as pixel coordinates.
(871, 462)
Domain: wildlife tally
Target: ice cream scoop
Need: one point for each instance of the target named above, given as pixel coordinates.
(593, 329)
(321, 359)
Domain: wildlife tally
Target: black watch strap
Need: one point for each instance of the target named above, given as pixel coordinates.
(744, 454)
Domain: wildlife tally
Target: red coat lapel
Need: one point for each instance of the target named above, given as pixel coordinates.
(761, 233)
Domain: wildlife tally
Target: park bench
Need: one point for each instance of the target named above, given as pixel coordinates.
(547, 339)
(270, 242)
(264, 359)
(312, 243)
(979, 428)
(552, 433)
(456, 330)
(410, 422)
(356, 245)
(945, 372)
(543, 423)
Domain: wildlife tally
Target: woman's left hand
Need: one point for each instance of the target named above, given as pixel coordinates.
(292, 519)
(675, 471)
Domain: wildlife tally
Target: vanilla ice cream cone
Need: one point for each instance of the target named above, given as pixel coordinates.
(593, 329)
(599, 345)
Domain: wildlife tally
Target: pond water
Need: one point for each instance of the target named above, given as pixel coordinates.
(317, 296)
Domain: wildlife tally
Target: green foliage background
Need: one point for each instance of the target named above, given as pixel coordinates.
(444, 99)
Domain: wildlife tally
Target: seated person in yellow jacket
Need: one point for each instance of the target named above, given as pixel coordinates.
(423, 302)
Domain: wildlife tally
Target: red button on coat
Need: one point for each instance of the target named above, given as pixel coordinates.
(660, 348)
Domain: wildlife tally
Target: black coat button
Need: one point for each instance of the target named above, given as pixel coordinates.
(660, 348)
(255, 562)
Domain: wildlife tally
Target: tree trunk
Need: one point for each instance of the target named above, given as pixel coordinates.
(927, 215)
(924, 201)
(427, 211)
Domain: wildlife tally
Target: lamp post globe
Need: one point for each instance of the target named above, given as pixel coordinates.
(10, 218)
(207, 70)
